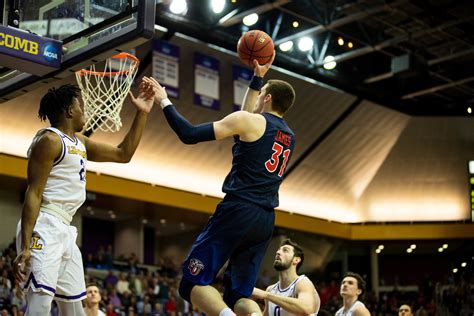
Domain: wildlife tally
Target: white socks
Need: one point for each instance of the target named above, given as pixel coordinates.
(226, 312)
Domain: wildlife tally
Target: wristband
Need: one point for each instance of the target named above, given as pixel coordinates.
(256, 83)
(165, 102)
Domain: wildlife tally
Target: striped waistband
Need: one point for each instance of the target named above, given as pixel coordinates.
(56, 211)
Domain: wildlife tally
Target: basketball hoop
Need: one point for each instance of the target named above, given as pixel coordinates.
(103, 92)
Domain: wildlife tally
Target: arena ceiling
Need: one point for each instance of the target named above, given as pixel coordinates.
(416, 57)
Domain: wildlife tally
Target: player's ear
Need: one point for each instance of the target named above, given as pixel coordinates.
(68, 112)
(268, 98)
(296, 260)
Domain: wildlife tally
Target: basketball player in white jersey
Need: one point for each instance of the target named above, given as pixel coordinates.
(293, 294)
(49, 263)
(93, 299)
(352, 286)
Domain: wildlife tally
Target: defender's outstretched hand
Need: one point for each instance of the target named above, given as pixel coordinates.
(261, 70)
(160, 91)
(144, 101)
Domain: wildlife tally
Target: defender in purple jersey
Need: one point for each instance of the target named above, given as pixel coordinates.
(242, 226)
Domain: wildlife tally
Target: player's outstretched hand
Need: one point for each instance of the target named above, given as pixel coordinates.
(19, 265)
(261, 70)
(144, 101)
(259, 294)
(160, 91)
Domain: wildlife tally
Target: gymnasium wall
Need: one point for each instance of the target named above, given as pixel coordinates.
(10, 210)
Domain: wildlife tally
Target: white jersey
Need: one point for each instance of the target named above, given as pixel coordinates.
(66, 185)
(349, 312)
(290, 291)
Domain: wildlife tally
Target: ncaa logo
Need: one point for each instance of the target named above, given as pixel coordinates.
(195, 266)
(50, 53)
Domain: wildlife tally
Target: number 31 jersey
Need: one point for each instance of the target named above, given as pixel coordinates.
(66, 184)
(258, 167)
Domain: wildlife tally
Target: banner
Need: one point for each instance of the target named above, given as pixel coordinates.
(29, 52)
(241, 78)
(206, 81)
(166, 66)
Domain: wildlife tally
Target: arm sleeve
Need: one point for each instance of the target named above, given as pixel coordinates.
(188, 133)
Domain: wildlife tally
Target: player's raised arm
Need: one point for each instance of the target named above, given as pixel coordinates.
(249, 103)
(124, 151)
(237, 123)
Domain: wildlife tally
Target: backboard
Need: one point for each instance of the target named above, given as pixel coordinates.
(91, 31)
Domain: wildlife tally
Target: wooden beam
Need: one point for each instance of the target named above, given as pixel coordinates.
(13, 166)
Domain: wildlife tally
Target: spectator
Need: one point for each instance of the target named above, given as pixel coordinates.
(89, 262)
(110, 311)
(114, 299)
(170, 306)
(144, 305)
(111, 280)
(122, 284)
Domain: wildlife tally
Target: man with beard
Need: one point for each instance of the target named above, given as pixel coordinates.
(293, 294)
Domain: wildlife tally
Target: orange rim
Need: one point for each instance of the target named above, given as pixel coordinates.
(122, 55)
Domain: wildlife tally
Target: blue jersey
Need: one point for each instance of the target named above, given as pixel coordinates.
(258, 167)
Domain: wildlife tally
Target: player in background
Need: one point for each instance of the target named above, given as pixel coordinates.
(352, 287)
(92, 301)
(242, 226)
(293, 294)
(49, 263)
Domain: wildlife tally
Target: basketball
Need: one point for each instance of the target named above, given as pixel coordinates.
(257, 45)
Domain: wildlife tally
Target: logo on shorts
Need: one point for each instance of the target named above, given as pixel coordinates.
(195, 266)
(35, 242)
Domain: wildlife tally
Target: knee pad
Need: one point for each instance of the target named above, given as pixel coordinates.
(185, 288)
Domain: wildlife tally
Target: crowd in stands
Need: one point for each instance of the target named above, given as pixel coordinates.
(131, 288)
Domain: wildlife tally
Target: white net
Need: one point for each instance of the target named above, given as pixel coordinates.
(103, 92)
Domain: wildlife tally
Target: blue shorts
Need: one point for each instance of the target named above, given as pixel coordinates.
(240, 231)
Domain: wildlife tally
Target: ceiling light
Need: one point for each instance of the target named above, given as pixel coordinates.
(250, 19)
(381, 247)
(409, 250)
(440, 249)
(296, 24)
(340, 41)
(305, 44)
(350, 45)
(286, 46)
(329, 62)
(162, 221)
(413, 246)
(464, 264)
(455, 270)
(445, 246)
(178, 6)
(234, 1)
(217, 6)
(378, 250)
(469, 110)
